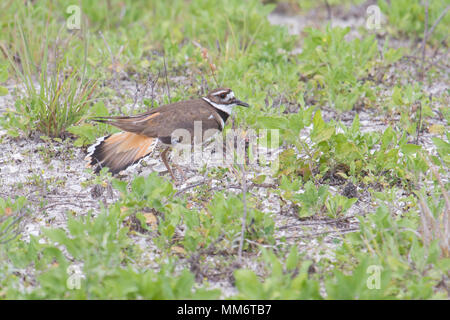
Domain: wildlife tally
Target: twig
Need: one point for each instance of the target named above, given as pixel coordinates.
(252, 185)
(194, 260)
(261, 245)
(204, 85)
(190, 187)
(438, 178)
(4, 236)
(244, 217)
(113, 65)
(425, 35)
(441, 233)
(310, 157)
(327, 5)
(205, 57)
(154, 83)
(446, 220)
(167, 80)
(65, 203)
(142, 92)
(113, 60)
(431, 63)
(3, 50)
(419, 124)
(136, 94)
(315, 234)
(423, 218)
(320, 222)
(441, 16)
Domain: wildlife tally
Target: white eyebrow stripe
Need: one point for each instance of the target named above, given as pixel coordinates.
(220, 92)
(230, 96)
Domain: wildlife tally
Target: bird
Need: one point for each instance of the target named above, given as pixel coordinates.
(141, 133)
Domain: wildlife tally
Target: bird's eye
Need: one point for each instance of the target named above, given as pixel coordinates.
(223, 95)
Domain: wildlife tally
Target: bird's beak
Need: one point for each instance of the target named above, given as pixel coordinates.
(241, 103)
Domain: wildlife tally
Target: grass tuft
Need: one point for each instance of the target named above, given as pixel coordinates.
(54, 95)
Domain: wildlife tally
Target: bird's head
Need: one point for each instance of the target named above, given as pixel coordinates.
(224, 99)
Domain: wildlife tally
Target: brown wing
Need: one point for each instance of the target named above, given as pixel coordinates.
(162, 121)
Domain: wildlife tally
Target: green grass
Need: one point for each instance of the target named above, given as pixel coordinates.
(408, 18)
(55, 94)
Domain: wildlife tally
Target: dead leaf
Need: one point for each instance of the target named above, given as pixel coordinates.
(436, 128)
(8, 211)
(179, 250)
(150, 219)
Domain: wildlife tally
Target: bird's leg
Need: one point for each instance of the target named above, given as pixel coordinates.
(166, 163)
(180, 171)
(174, 141)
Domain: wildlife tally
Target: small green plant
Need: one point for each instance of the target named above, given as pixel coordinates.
(87, 133)
(101, 254)
(285, 279)
(443, 149)
(335, 67)
(368, 280)
(413, 106)
(434, 213)
(309, 4)
(3, 77)
(337, 205)
(56, 95)
(222, 220)
(394, 246)
(407, 17)
(11, 213)
(312, 200)
(345, 151)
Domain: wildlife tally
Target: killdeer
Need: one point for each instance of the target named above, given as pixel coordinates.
(141, 132)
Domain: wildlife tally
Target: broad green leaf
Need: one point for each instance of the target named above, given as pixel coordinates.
(292, 259)
(3, 91)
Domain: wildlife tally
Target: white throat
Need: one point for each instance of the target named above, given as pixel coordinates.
(227, 108)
